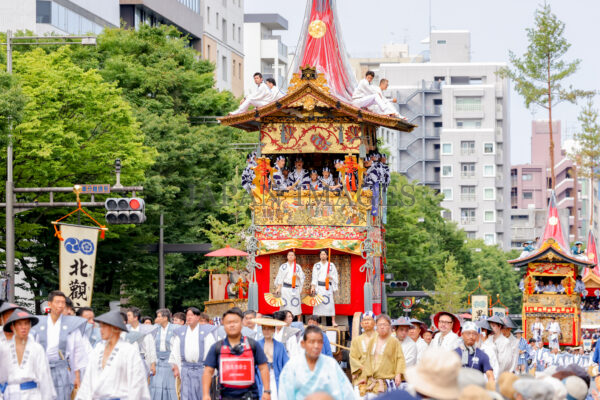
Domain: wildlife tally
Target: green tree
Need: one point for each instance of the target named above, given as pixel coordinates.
(539, 74)
(450, 285)
(67, 134)
(587, 152)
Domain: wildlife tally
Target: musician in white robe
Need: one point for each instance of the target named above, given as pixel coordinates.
(289, 282)
(449, 326)
(115, 369)
(260, 98)
(325, 281)
(365, 95)
(536, 330)
(553, 329)
(27, 370)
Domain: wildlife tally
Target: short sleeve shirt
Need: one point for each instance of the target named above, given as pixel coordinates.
(479, 360)
(212, 360)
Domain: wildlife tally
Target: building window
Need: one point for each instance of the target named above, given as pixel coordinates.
(441, 41)
(446, 148)
(471, 234)
(217, 20)
(467, 193)
(207, 55)
(467, 170)
(233, 69)
(467, 147)
(527, 177)
(208, 15)
(489, 216)
(224, 65)
(489, 170)
(447, 171)
(468, 123)
(233, 32)
(489, 239)
(489, 194)
(447, 192)
(447, 215)
(240, 70)
(467, 216)
(468, 104)
(239, 34)
(488, 148)
(527, 195)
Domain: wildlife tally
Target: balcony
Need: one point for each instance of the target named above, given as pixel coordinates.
(317, 208)
(468, 197)
(499, 136)
(499, 158)
(467, 174)
(468, 221)
(467, 152)
(500, 181)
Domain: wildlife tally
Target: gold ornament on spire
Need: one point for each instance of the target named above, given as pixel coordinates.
(317, 29)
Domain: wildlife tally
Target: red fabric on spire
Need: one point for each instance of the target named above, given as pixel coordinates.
(326, 53)
(592, 253)
(553, 228)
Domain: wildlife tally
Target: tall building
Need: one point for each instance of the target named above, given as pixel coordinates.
(263, 49)
(215, 28)
(461, 145)
(62, 17)
(531, 183)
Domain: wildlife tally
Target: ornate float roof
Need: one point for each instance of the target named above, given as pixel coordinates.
(550, 251)
(308, 93)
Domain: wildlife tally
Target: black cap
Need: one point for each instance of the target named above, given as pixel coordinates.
(496, 319)
(112, 318)
(17, 316)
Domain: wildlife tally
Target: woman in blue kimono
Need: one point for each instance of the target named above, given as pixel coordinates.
(275, 351)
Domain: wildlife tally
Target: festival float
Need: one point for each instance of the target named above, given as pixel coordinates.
(590, 316)
(316, 121)
(552, 261)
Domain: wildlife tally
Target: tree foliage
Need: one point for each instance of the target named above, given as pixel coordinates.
(450, 285)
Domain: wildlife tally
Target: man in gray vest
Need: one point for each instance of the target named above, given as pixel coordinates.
(146, 343)
(61, 337)
(162, 384)
(190, 344)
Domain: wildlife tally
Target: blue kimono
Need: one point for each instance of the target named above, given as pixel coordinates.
(326, 350)
(526, 349)
(280, 358)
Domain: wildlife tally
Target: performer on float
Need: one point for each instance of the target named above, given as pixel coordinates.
(365, 95)
(298, 178)
(279, 181)
(449, 325)
(260, 98)
(325, 281)
(358, 348)
(389, 106)
(289, 282)
(248, 175)
(554, 332)
(162, 384)
(536, 330)
(276, 93)
(115, 370)
(274, 350)
(66, 349)
(27, 366)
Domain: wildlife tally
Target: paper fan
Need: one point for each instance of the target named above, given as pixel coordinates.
(312, 301)
(273, 300)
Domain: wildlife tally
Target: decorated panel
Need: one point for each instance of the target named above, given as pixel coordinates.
(568, 325)
(341, 261)
(550, 269)
(277, 138)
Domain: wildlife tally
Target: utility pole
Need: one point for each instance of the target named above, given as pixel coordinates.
(161, 264)
(10, 198)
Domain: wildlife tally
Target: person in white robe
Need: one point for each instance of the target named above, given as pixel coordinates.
(324, 282)
(162, 384)
(488, 346)
(504, 350)
(26, 369)
(415, 333)
(146, 345)
(287, 335)
(115, 369)
(289, 282)
(389, 109)
(553, 329)
(6, 311)
(313, 372)
(448, 325)
(260, 98)
(276, 93)
(66, 348)
(536, 330)
(365, 95)
(401, 327)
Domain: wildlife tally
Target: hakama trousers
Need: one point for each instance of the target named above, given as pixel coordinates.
(162, 385)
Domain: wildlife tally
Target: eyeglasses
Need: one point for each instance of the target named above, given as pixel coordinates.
(445, 322)
(383, 324)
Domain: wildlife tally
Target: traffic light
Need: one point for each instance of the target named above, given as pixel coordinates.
(398, 284)
(125, 210)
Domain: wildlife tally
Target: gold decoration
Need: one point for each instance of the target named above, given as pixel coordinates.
(553, 221)
(312, 301)
(317, 29)
(308, 75)
(272, 300)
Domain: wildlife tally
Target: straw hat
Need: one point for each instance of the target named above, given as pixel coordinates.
(436, 375)
(473, 392)
(268, 322)
(496, 319)
(455, 323)
(112, 318)
(7, 306)
(17, 316)
(401, 321)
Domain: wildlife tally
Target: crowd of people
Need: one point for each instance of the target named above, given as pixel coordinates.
(245, 355)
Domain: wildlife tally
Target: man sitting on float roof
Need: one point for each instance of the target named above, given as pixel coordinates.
(260, 98)
(365, 95)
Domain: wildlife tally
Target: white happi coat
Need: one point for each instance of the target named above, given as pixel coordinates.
(504, 352)
(422, 346)
(536, 331)
(261, 97)
(290, 296)
(34, 367)
(123, 376)
(389, 106)
(409, 348)
(448, 342)
(489, 348)
(319, 274)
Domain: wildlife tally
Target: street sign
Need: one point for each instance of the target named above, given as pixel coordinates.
(95, 189)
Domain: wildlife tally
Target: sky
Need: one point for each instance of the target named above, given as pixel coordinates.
(496, 27)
